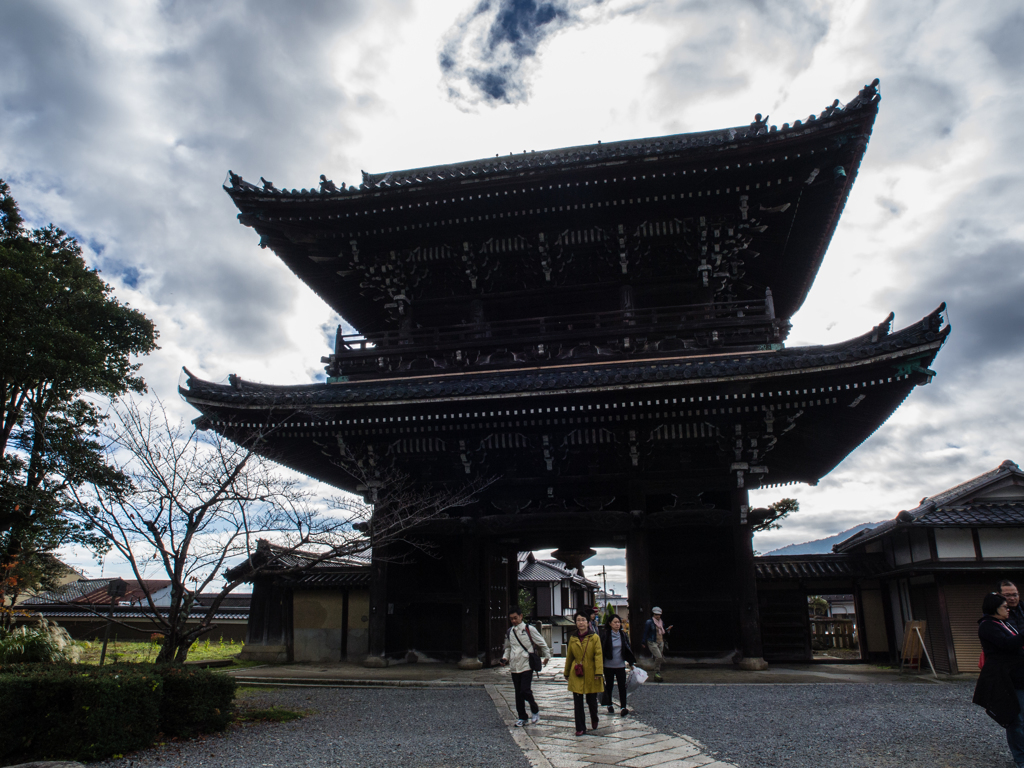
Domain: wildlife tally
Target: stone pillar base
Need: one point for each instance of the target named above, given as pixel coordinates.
(470, 662)
(752, 665)
(267, 654)
(375, 662)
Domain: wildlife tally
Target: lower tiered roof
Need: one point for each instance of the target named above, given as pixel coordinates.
(798, 413)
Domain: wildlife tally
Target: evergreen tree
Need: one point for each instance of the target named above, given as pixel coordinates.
(63, 336)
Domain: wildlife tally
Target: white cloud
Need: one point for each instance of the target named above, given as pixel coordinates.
(119, 120)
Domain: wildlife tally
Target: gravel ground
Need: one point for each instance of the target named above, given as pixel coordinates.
(821, 726)
(353, 727)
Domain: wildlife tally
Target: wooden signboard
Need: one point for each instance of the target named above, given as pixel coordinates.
(913, 646)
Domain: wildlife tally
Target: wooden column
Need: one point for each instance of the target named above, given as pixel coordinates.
(638, 578)
(746, 584)
(470, 586)
(378, 609)
(344, 624)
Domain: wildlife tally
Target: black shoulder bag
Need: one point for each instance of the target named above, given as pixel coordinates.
(533, 656)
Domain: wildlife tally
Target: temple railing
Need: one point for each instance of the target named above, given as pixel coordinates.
(538, 339)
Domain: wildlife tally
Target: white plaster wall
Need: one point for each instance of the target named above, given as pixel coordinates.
(1001, 542)
(954, 543)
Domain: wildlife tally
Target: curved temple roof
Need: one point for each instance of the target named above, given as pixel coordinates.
(574, 318)
(689, 217)
(631, 374)
(584, 154)
(834, 396)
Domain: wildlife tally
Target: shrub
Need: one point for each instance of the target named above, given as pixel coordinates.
(62, 711)
(83, 712)
(43, 642)
(194, 700)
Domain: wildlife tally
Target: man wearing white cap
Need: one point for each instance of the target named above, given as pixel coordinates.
(654, 639)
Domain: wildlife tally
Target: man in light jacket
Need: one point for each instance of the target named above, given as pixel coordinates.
(520, 641)
(654, 639)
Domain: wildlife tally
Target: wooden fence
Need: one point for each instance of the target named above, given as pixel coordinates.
(832, 633)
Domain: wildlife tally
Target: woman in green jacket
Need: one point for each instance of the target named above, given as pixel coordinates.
(584, 655)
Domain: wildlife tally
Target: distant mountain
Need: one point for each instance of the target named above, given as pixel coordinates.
(820, 546)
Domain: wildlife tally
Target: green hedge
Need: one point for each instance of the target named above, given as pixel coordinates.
(194, 700)
(85, 712)
(64, 712)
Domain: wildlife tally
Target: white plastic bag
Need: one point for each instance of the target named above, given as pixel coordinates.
(637, 677)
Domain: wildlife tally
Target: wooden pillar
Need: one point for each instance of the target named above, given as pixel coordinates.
(746, 584)
(378, 609)
(858, 612)
(344, 624)
(256, 630)
(470, 586)
(638, 578)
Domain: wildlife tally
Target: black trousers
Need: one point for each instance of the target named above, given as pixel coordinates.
(577, 704)
(611, 675)
(521, 682)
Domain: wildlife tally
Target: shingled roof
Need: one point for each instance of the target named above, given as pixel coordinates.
(954, 507)
(534, 571)
(801, 567)
(305, 568)
(94, 592)
(69, 593)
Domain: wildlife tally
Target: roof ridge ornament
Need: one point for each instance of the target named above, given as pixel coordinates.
(238, 183)
(869, 94)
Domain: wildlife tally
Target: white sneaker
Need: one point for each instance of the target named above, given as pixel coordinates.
(535, 718)
(520, 723)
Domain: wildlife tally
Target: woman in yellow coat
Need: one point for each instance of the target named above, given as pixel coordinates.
(584, 655)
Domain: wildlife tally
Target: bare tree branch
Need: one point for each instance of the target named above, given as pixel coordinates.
(199, 503)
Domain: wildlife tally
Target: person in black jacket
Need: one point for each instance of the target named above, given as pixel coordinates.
(615, 644)
(1000, 688)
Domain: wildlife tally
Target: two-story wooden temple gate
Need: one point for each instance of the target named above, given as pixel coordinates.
(601, 329)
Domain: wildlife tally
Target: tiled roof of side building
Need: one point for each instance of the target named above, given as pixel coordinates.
(941, 509)
(68, 593)
(823, 566)
(1007, 467)
(352, 578)
(541, 571)
(977, 514)
(297, 560)
(137, 591)
(94, 592)
(127, 612)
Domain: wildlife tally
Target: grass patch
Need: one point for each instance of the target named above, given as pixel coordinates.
(268, 715)
(244, 691)
(135, 651)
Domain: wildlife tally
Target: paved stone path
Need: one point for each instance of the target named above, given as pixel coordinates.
(621, 741)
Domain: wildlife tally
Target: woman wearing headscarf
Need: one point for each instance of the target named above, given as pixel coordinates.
(1000, 688)
(584, 669)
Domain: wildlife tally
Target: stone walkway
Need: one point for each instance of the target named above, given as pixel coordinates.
(621, 741)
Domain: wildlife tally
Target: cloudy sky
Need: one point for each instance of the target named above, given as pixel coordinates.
(119, 121)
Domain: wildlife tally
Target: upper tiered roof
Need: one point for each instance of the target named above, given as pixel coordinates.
(683, 219)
